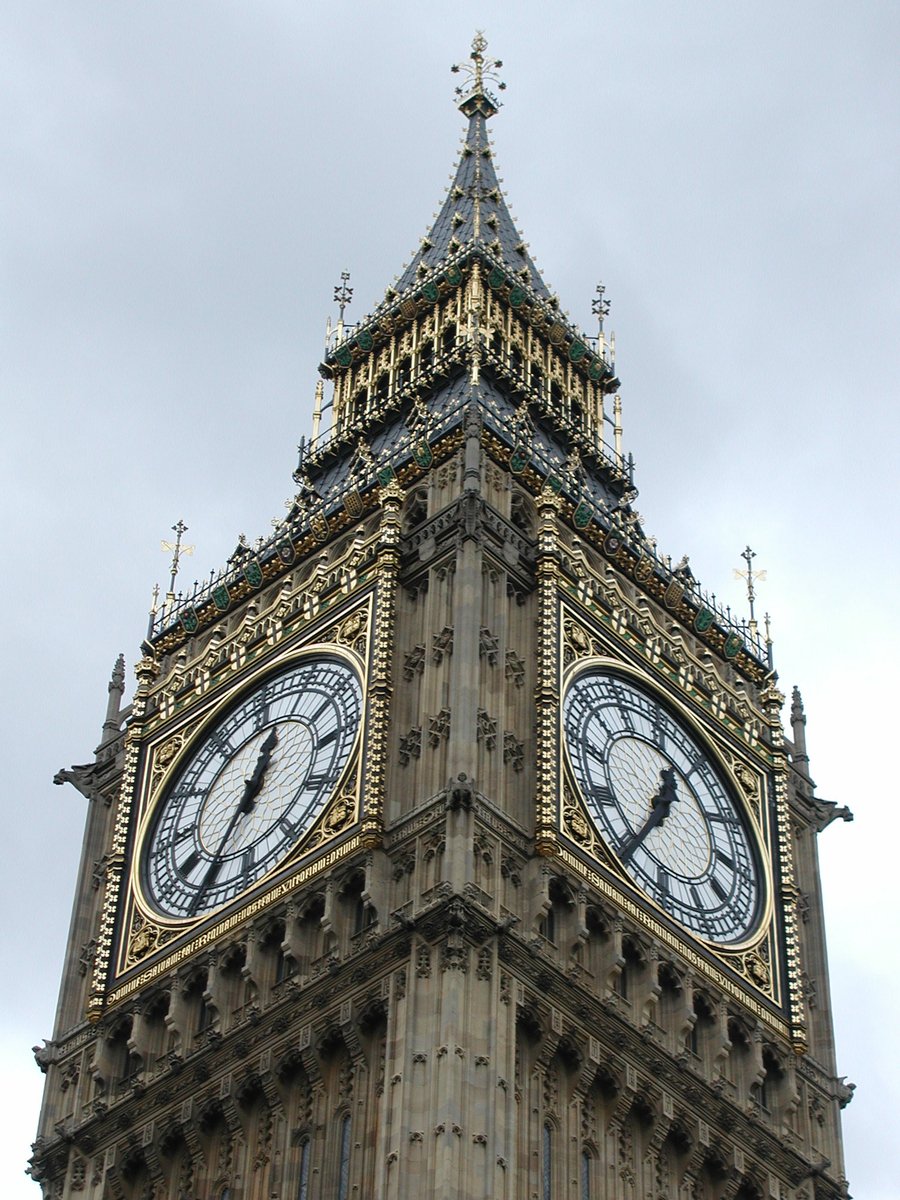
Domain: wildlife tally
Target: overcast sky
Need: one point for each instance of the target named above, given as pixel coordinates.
(183, 183)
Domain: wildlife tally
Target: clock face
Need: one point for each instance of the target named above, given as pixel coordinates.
(252, 786)
(662, 805)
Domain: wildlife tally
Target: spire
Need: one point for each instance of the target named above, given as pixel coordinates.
(116, 688)
(474, 210)
(798, 730)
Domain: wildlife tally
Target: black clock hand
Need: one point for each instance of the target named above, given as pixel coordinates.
(252, 788)
(661, 803)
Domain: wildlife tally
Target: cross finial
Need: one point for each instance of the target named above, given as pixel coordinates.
(600, 305)
(750, 575)
(473, 95)
(178, 549)
(343, 294)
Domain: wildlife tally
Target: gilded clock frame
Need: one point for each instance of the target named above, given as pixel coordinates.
(148, 943)
(576, 823)
(758, 970)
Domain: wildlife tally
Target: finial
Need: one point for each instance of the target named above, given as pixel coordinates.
(600, 309)
(617, 428)
(179, 529)
(750, 575)
(473, 95)
(154, 609)
(798, 729)
(600, 305)
(117, 681)
(115, 688)
(317, 411)
(343, 294)
(767, 621)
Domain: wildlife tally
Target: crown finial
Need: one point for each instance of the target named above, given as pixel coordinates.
(473, 96)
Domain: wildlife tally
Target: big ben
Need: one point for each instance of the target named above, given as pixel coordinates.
(452, 845)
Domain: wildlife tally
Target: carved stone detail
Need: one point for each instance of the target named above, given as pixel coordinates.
(515, 668)
(438, 727)
(513, 751)
(442, 644)
(486, 729)
(488, 646)
(414, 661)
(410, 745)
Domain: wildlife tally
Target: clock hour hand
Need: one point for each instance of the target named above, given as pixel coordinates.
(253, 785)
(659, 810)
(252, 788)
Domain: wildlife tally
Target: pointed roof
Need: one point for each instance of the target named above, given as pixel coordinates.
(474, 212)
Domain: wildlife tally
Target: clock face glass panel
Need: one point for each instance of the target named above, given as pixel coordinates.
(256, 782)
(662, 806)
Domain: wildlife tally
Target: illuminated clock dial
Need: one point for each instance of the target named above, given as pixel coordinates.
(662, 805)
(252, 786)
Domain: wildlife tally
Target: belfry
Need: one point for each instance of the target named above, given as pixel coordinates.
(452, 845)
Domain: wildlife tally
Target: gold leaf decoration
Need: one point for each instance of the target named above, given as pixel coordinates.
(352, 632)
(340, 814)
(165, 755)
(144, 939)
(577, 642)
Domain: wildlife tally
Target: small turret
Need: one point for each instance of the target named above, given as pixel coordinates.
(798, 732)
(116, 688)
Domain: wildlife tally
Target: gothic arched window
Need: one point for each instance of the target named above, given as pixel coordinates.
(585, 1175)
(547, 1162)
(303, 1187)
(344, 1161)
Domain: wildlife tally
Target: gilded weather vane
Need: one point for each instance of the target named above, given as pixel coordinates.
(751, 577)
(600, 306)
(178, 549)
(343, 294)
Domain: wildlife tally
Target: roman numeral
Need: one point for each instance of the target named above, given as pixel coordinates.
(189, 863)
(718, 889)
(602, 794)
(591, 750)
(288, 827)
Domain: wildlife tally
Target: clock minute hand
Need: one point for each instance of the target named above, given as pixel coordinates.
(252, 788)
(661, 804)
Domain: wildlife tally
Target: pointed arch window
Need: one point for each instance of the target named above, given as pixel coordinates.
(585, 1175)
(547, 1163)
(303, 1187)
(344, 1162)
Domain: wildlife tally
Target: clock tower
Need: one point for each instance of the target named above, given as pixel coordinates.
(452, 845)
